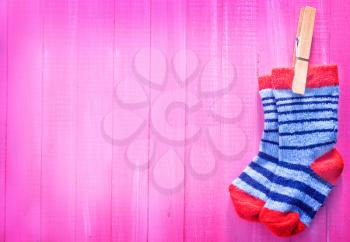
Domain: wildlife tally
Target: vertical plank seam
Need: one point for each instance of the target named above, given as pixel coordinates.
(112, 100)
(76, 75)
(6, 120)
(149, 122)
(75, 142)
(185, 132)
(41, 112)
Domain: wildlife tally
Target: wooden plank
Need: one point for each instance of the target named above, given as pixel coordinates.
(128, 128)
(166, 189)
(23, 164)
(59, 123)
(3, 117)
(206, 198)
(338, 213)
(94, 72)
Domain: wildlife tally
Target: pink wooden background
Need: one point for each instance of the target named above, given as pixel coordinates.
(95, 140)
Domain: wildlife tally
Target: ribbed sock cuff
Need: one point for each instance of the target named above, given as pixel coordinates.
(265, 82)
(318, 76)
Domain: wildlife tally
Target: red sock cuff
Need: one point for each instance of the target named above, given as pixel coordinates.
(317, 76)
(264, 82)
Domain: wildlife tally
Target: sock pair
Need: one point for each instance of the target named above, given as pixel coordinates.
(297, 166)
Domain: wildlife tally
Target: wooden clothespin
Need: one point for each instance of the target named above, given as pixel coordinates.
(302, 49)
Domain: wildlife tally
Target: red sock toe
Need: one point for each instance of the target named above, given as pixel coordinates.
(282, 224)
(247, 206)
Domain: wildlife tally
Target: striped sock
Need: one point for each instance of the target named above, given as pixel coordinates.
(308, 163)
(249, 196)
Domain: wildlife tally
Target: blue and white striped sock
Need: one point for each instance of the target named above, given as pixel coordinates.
(308, 126)
(250, 190)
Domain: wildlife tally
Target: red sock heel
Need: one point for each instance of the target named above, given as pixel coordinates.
(247, 206)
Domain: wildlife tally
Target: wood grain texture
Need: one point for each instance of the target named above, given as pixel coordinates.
(59, 122)
(94, 49)
(130, 180)
(24, 112)
(127, 120)
(3, 117)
